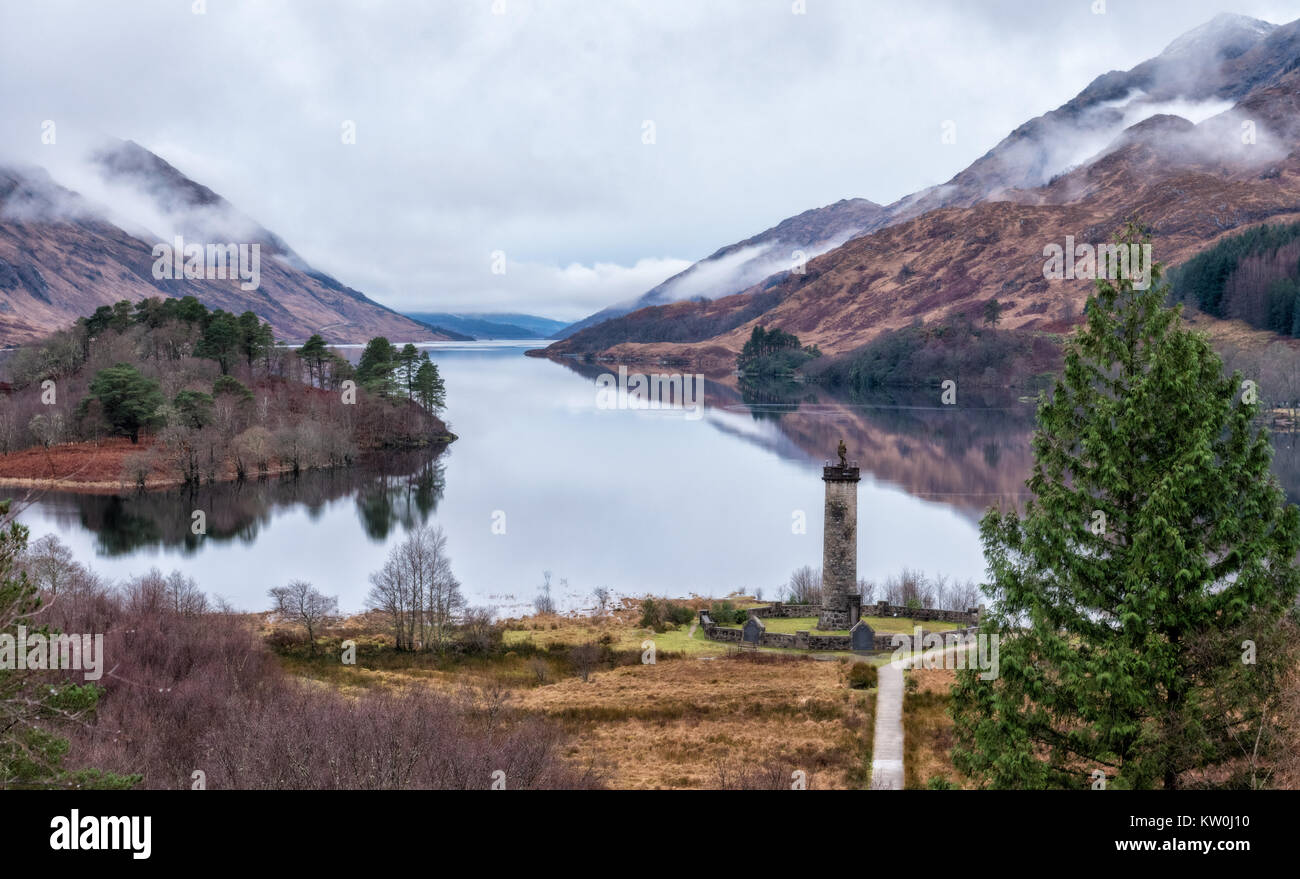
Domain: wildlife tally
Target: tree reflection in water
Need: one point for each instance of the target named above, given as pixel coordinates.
(392, 489)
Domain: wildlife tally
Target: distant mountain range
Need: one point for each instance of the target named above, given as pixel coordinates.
(492, 326)
(61, 256)
(1196, 142)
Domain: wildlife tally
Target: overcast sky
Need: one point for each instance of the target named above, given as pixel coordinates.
(523, 132)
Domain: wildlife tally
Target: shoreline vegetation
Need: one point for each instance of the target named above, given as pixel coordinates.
(165, 393)
(917, 356)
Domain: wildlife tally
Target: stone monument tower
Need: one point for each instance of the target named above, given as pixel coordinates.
(841, 603)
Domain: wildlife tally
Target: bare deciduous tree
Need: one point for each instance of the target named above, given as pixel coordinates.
(418, 592)
(184, 596)
(805, 586)
(303, 603)
(544, 603)
(49, 564)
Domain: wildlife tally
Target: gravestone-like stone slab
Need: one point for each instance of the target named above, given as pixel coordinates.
(862, 637)
(752, 631)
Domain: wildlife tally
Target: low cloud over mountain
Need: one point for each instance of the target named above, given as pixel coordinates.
(63, 253)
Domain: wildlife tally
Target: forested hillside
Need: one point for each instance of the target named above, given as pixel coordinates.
(1254, 277)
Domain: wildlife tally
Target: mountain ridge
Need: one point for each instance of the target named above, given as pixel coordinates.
(491, 325)
(949, 249)
(61, 257)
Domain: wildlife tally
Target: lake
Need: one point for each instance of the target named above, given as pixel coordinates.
(639, 501)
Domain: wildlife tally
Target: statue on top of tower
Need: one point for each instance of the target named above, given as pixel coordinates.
(843, 452)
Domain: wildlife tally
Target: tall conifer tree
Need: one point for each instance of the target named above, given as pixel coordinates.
(1141, 599)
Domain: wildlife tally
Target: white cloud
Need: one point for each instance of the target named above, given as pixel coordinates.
(522, 132)
(576, 290)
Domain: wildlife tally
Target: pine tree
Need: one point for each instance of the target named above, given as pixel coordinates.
(221, 340)
(130, 401)
(314, 353)
(376, 369)
(409, 360)
(255, 337)
(1155, 545)
(429, 387)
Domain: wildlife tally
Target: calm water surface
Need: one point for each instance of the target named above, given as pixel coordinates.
(637, 501)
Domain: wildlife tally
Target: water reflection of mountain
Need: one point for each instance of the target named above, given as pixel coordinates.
(389, 490)
(970, 456)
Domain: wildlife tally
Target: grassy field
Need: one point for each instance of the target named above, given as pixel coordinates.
(905, 625)
(790, 625)
(740, 720)
(704, 715)
(622, 635)
(927, 730)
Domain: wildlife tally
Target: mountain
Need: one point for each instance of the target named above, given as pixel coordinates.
(493, 326)
(735, 267)
(62, 256)
(1195, 69)
(1115, 152)
(1197, 73)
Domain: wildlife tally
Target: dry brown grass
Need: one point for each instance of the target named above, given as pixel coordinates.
(688, 721)
(676, 724)
(670, 725)
(927, 729)
(92, 467)
(543, 629)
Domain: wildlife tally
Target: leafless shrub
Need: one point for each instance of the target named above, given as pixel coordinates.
(203, 692)
(772, 773)
(544, 603)
(478, 631)
(137, 466)
(805, 586)
(584, 658)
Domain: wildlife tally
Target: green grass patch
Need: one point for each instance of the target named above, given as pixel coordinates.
(790, 625)
(903, 625)
(681, 640)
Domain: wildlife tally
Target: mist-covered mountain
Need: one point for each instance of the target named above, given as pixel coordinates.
(735, 267)
(492, 325)
(62, 255)
(1198, 75)
(1195, 142)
